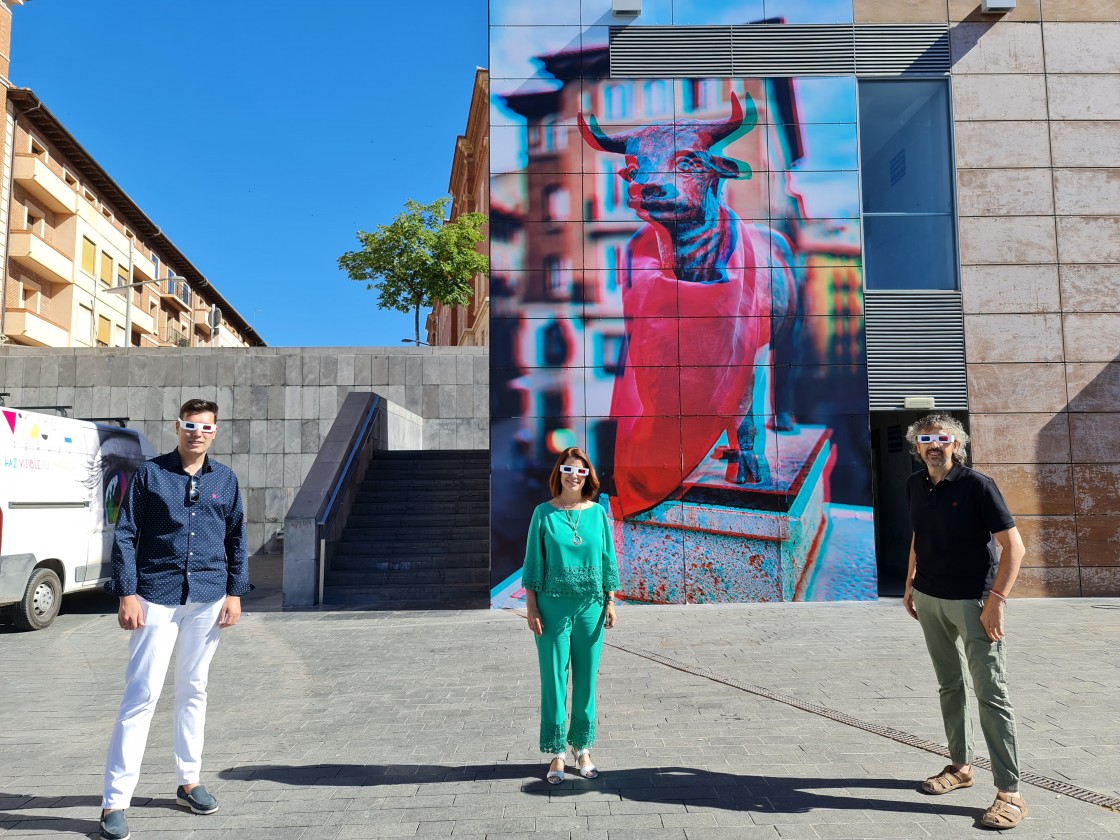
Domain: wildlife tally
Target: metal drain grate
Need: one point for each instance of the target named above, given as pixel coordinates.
(1065, 788)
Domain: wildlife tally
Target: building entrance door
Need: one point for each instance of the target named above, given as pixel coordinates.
(891, 466)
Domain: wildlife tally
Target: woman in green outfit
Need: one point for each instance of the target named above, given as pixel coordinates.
(570, 576)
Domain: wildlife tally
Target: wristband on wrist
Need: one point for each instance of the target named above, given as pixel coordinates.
(998, 594)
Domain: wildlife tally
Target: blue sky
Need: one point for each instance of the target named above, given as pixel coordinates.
(261, 134)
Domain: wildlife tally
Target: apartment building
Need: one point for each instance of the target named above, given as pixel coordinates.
(469, 188)
(82, 264)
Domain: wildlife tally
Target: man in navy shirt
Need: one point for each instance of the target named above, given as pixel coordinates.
(957, 587)
(180, 568)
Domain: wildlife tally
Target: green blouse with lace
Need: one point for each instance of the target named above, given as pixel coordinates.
(555, 566)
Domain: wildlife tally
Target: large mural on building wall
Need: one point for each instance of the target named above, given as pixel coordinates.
(676, 288)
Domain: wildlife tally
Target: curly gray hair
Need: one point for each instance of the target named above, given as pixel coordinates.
(944, 422)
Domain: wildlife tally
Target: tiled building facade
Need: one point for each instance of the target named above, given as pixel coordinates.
(1031, 242)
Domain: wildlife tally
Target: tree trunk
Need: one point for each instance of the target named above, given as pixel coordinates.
(416, 311)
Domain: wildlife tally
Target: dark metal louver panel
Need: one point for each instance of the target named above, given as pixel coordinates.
(915, 347)
(671, 51)
(779, 50)
(901, 50)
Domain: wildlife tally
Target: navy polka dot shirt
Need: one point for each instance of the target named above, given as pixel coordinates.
(177, 542)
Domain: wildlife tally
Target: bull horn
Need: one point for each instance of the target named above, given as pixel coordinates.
(719, 129)
(598, 139)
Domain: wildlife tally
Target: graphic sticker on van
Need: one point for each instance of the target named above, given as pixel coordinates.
(110, 470)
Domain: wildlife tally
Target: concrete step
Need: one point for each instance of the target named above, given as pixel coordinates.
(407, 577)
(420, 562)
(422, 493)
(358, 602)
(416, 532)
(406, 504)
(393, 548)
(411, 519)
(431, 595)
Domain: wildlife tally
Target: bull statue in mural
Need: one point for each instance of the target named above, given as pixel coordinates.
(703, 293)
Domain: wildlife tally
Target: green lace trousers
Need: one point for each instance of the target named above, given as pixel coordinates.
(572, 641)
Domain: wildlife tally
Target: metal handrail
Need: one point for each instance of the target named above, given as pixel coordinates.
(343, 477)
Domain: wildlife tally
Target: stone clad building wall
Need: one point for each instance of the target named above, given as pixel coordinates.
(1036, 104)
(276, 403)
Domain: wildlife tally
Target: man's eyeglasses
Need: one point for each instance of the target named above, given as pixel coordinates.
(192, 490)
(205, 428)
(945, 439)
(569, 470)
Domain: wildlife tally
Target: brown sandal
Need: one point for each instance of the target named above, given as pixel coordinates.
(947, 780)
(1004, 812)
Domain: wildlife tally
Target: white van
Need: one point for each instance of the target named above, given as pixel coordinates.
(62, 482)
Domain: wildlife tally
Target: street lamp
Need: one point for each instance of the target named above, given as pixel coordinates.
(415, 341)
(125, 290)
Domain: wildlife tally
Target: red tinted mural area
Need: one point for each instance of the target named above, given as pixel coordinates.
(676, 287)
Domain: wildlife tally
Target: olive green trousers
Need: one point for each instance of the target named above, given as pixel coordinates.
(964, 657)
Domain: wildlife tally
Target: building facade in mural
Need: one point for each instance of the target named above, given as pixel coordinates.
(658, 256)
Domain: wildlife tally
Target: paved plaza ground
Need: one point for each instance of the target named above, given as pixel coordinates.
(370, 725)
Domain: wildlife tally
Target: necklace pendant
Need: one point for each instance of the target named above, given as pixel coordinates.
(576, 539)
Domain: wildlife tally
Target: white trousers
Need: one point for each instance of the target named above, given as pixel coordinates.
(190, 632)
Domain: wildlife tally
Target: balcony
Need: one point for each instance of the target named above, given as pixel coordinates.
(201, 322)
(38, 179)
(29, 327)
(41, 257)
(142, 268)
(142, 322)
(177, 292)
(177, 338)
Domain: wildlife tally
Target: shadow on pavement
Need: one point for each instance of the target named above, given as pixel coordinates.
(12, 803)
(678, 785)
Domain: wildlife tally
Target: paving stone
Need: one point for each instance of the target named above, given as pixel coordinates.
(401, 724)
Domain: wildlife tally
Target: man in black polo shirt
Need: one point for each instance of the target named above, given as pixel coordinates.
(957, 587)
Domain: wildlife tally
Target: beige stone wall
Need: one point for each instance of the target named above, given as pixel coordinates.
(1036, 102)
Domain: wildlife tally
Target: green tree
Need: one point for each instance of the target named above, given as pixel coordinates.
(420, 259)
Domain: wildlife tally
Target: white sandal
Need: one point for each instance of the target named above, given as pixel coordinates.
(556, 777)
(590, 771)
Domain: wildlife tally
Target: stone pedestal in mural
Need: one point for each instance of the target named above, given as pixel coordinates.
(721, 542)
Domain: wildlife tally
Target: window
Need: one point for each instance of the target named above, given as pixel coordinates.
(37, 149)
(35, 223)
(612, 262)
(554, 135)
(106, 269)
(557, 276)
(84, 327)
(89, 256)
(906, 177)
(698, 95)
(104, 331)
(122, 275)
(557, 206)
(654, 100)
(155, 263)
(30, 293)
(612, 197)
(555, 349)
(610, 352)
(616, 101)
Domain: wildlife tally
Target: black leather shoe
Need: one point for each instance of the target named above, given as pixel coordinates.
(198, 800)
(114, 826)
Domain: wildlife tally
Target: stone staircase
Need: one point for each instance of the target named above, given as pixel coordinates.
(418, 536)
